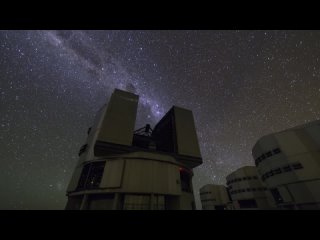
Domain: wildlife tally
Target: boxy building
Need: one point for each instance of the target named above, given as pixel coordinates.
(288, 163)
(247, 191)
(120, 168)
(215, 197)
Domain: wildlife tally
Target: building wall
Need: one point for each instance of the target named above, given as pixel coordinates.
(214, 197)
(153, 177)
(142, 180)
(247, 191)
(119, 121)
(187, 201)
(288, 163)
(187, 139)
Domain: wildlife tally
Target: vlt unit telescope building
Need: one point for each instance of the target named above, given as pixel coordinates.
(121, 169)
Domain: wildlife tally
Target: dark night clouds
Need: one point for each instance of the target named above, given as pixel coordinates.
(240, 86)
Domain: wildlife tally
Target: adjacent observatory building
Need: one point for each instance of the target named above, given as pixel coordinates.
(215, 197)
(288, 162)
(121, 169)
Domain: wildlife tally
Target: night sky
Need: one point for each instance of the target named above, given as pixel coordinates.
(240, 85)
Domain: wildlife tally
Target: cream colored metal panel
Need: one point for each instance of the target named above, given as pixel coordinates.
(174, 186)
(314, 188)
(112, 176)
(165, 178)
(151, 176)
(159, 177)
(216, 194)
(300, 192)
(187, 139)
(316, 159)
(138, 175)
(267, 143)
(310, 168)
(119, 121)
(290, 144)
(74, 179)
(186, 200)
(307, 139)
(314, 132)
(249, 171)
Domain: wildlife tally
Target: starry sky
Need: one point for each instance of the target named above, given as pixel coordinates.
(240, 85)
